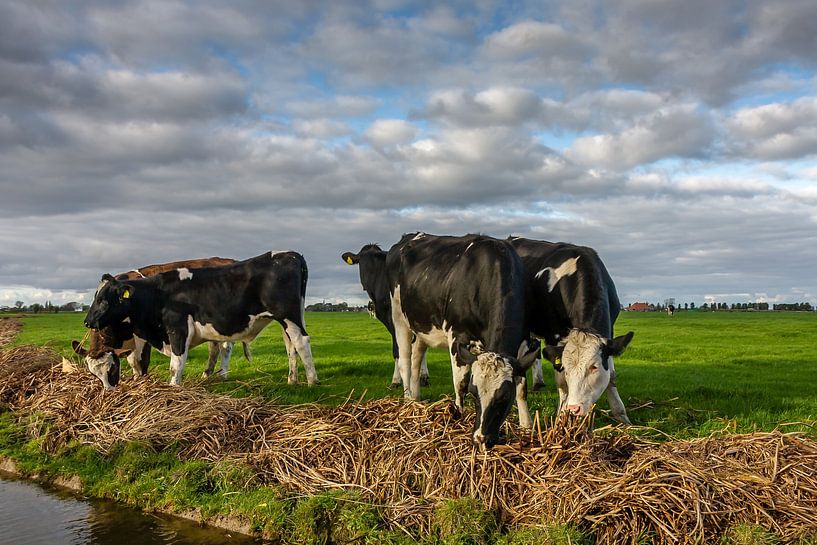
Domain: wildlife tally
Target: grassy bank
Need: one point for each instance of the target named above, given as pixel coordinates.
(690, 375)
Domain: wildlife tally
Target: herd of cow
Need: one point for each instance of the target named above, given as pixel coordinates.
(486, 300)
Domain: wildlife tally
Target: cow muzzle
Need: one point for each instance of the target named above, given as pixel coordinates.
(575, 410)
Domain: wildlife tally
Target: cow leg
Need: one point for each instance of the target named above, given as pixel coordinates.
(418, 354)
(424, 371)
(226, 352)
(300, 339)
(247, 351)
(561, 386)
(212, 355)
(462, 377)
(538, 375)
(395, 377)
(139, 359)
(522, 401)
(614, 400)
(292, 354)
(403, 335)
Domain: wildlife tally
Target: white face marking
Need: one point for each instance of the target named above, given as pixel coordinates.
(99, 287)
(469, 247)
(418, 236)
(585, 376)
(489, 372)
(554, 275)
(100, 367)
(184, 273)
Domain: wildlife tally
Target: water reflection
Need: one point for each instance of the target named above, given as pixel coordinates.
(31, 515)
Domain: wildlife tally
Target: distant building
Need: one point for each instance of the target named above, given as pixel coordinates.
(639, 307)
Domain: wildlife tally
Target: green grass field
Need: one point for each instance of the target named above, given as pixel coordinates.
(687, 375)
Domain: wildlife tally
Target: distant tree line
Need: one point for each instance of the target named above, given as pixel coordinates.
(715, 306)
(36, 308)
(334, 307)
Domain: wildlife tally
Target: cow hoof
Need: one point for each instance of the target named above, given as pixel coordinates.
(394, 386)
(454, 411)
(538, 386)
(205, 375)
(423, 381)
(292, 381)
(315, 382)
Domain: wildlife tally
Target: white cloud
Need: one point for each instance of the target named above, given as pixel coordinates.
(390, 132)
(670, 132)
(534, 38)
(775, 131)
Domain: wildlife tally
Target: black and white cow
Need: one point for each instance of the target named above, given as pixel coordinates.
(371, 262)
(177, 310)
(572, 305)
(462, 292)
(108, 345)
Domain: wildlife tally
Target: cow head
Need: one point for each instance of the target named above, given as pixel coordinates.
(372, 263)
(104, 365)
(111, 304)
(584, 360)
(494, 380)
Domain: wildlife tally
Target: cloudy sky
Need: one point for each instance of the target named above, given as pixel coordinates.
(678, 138)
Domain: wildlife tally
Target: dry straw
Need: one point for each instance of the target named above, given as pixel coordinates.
(406, 457)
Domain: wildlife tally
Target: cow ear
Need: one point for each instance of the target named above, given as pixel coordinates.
(462, 354)
(553, 353)
(616, 346)
(106, 277)
(78, 349)
(350, 258)
(125, 291)
(528, 353)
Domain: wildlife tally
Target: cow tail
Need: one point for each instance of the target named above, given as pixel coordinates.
(304, 277)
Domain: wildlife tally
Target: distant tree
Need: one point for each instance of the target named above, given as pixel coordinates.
(692, 305)
(36, 308)
(19, 304)
(686, 306)
(705, 306)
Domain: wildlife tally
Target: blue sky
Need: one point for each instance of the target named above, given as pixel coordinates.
(679, 139)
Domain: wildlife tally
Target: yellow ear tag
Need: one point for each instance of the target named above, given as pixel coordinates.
(349, 260)
(558, 361)
(126, 295)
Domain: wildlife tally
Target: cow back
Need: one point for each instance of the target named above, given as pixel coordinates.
(568, 287)
(474, 284)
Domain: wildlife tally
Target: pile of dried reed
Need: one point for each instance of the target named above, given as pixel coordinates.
(9, 327)
(406, 457)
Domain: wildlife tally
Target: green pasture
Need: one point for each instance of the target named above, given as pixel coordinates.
(687, 375)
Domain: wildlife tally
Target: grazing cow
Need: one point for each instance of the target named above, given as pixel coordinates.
(464, 293)
(572, 305)
(371, 262)
(176, 310)
(109, 344)
(671, 310)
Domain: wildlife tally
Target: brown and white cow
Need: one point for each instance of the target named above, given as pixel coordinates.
(109, 344)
